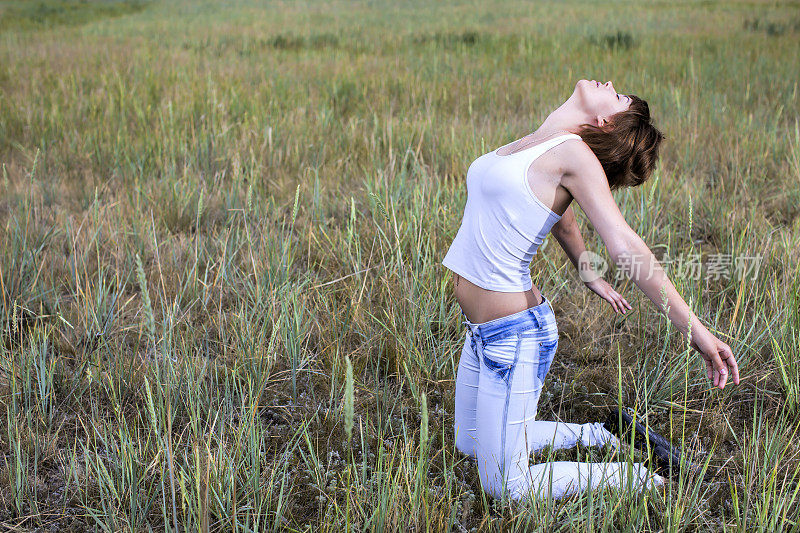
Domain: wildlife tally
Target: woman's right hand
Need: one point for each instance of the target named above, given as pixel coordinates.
(718, 356)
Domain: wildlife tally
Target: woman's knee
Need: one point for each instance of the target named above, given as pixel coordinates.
(503, 474)
(465, 438)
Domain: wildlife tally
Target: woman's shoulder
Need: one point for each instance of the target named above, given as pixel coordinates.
(577, 156)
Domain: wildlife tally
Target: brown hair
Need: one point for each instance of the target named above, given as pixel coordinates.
(626, 145)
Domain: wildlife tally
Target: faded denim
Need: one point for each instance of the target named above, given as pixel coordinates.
(503, 366)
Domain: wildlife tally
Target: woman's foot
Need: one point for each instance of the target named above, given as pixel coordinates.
(595, 434)
(563, 478)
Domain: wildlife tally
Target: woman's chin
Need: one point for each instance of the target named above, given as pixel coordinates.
(580, 88)
(582, 85)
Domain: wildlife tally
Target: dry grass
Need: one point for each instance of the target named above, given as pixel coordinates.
(211, 210)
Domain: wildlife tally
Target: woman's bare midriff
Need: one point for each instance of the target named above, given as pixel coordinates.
(482, 305)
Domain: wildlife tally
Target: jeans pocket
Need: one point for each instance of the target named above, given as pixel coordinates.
(547, 350)
(500, 355)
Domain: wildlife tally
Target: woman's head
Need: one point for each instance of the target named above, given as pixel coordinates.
(619, 132)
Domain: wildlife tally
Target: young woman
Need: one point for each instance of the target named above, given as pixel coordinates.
(595, 142)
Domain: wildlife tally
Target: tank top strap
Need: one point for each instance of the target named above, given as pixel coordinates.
(558, 140)
(541, 148)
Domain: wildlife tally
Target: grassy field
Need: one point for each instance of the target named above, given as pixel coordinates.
(222, 306)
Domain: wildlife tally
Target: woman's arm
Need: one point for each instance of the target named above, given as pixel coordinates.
(585, 179)
(568, 235)
(639, 263)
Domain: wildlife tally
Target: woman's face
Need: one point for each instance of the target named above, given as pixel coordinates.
(601, 99)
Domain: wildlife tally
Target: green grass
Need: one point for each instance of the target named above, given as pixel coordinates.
(43, 14)
(219, 218)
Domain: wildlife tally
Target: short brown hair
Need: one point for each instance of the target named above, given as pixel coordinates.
(627, 145)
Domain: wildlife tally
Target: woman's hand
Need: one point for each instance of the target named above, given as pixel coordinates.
(601, 287)
(718, 356)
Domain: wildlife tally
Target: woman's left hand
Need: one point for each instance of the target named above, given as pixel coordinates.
(601, 287)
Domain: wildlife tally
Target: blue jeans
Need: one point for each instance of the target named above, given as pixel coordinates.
(503, 366)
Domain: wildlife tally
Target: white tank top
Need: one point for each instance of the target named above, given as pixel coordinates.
(504, 222)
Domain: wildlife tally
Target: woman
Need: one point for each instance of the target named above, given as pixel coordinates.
(595, 142)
